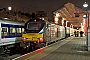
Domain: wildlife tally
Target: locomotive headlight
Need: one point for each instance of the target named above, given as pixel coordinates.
(40, 39)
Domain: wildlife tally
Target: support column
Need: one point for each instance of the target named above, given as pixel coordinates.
(88, 32)
(68, 25)
(60, 21)
(64, 22)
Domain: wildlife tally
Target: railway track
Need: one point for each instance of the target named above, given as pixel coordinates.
(13, 53)
(16, 52)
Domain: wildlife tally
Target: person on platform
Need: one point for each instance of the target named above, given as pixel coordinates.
(81, 33)
(75, 33)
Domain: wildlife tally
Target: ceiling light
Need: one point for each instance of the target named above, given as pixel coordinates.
(85, 5)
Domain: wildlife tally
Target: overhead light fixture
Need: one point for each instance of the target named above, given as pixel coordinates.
(9, 8)
(57, 15)
(5, 18)
(85, 5)
(85, 15)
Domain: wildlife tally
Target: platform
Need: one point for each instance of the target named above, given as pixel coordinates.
(72, 48)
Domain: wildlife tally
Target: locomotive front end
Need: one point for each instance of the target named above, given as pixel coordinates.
(34, 31)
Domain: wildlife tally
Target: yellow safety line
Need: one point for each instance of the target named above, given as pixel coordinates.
(36, 54)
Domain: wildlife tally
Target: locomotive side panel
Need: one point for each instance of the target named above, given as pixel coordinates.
(54, 33)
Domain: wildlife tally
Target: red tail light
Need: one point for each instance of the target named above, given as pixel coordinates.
(24, 38)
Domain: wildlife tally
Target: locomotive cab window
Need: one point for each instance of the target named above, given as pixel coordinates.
(33, 26)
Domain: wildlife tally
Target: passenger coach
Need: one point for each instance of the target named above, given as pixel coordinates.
(10, 33)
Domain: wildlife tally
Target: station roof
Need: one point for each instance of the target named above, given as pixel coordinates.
(72, 14)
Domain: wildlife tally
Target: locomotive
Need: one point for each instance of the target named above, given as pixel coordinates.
(39, 33)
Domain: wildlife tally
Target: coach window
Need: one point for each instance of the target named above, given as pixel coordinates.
(12, 31)
(4, 31)
(19, 31)
(22, 30)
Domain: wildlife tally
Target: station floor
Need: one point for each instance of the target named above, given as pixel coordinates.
(72, 48)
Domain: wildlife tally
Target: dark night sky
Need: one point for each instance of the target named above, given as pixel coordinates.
(40, 5)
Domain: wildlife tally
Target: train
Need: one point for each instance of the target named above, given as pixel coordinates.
(39, 33)
(10, 34)
(30, 35)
